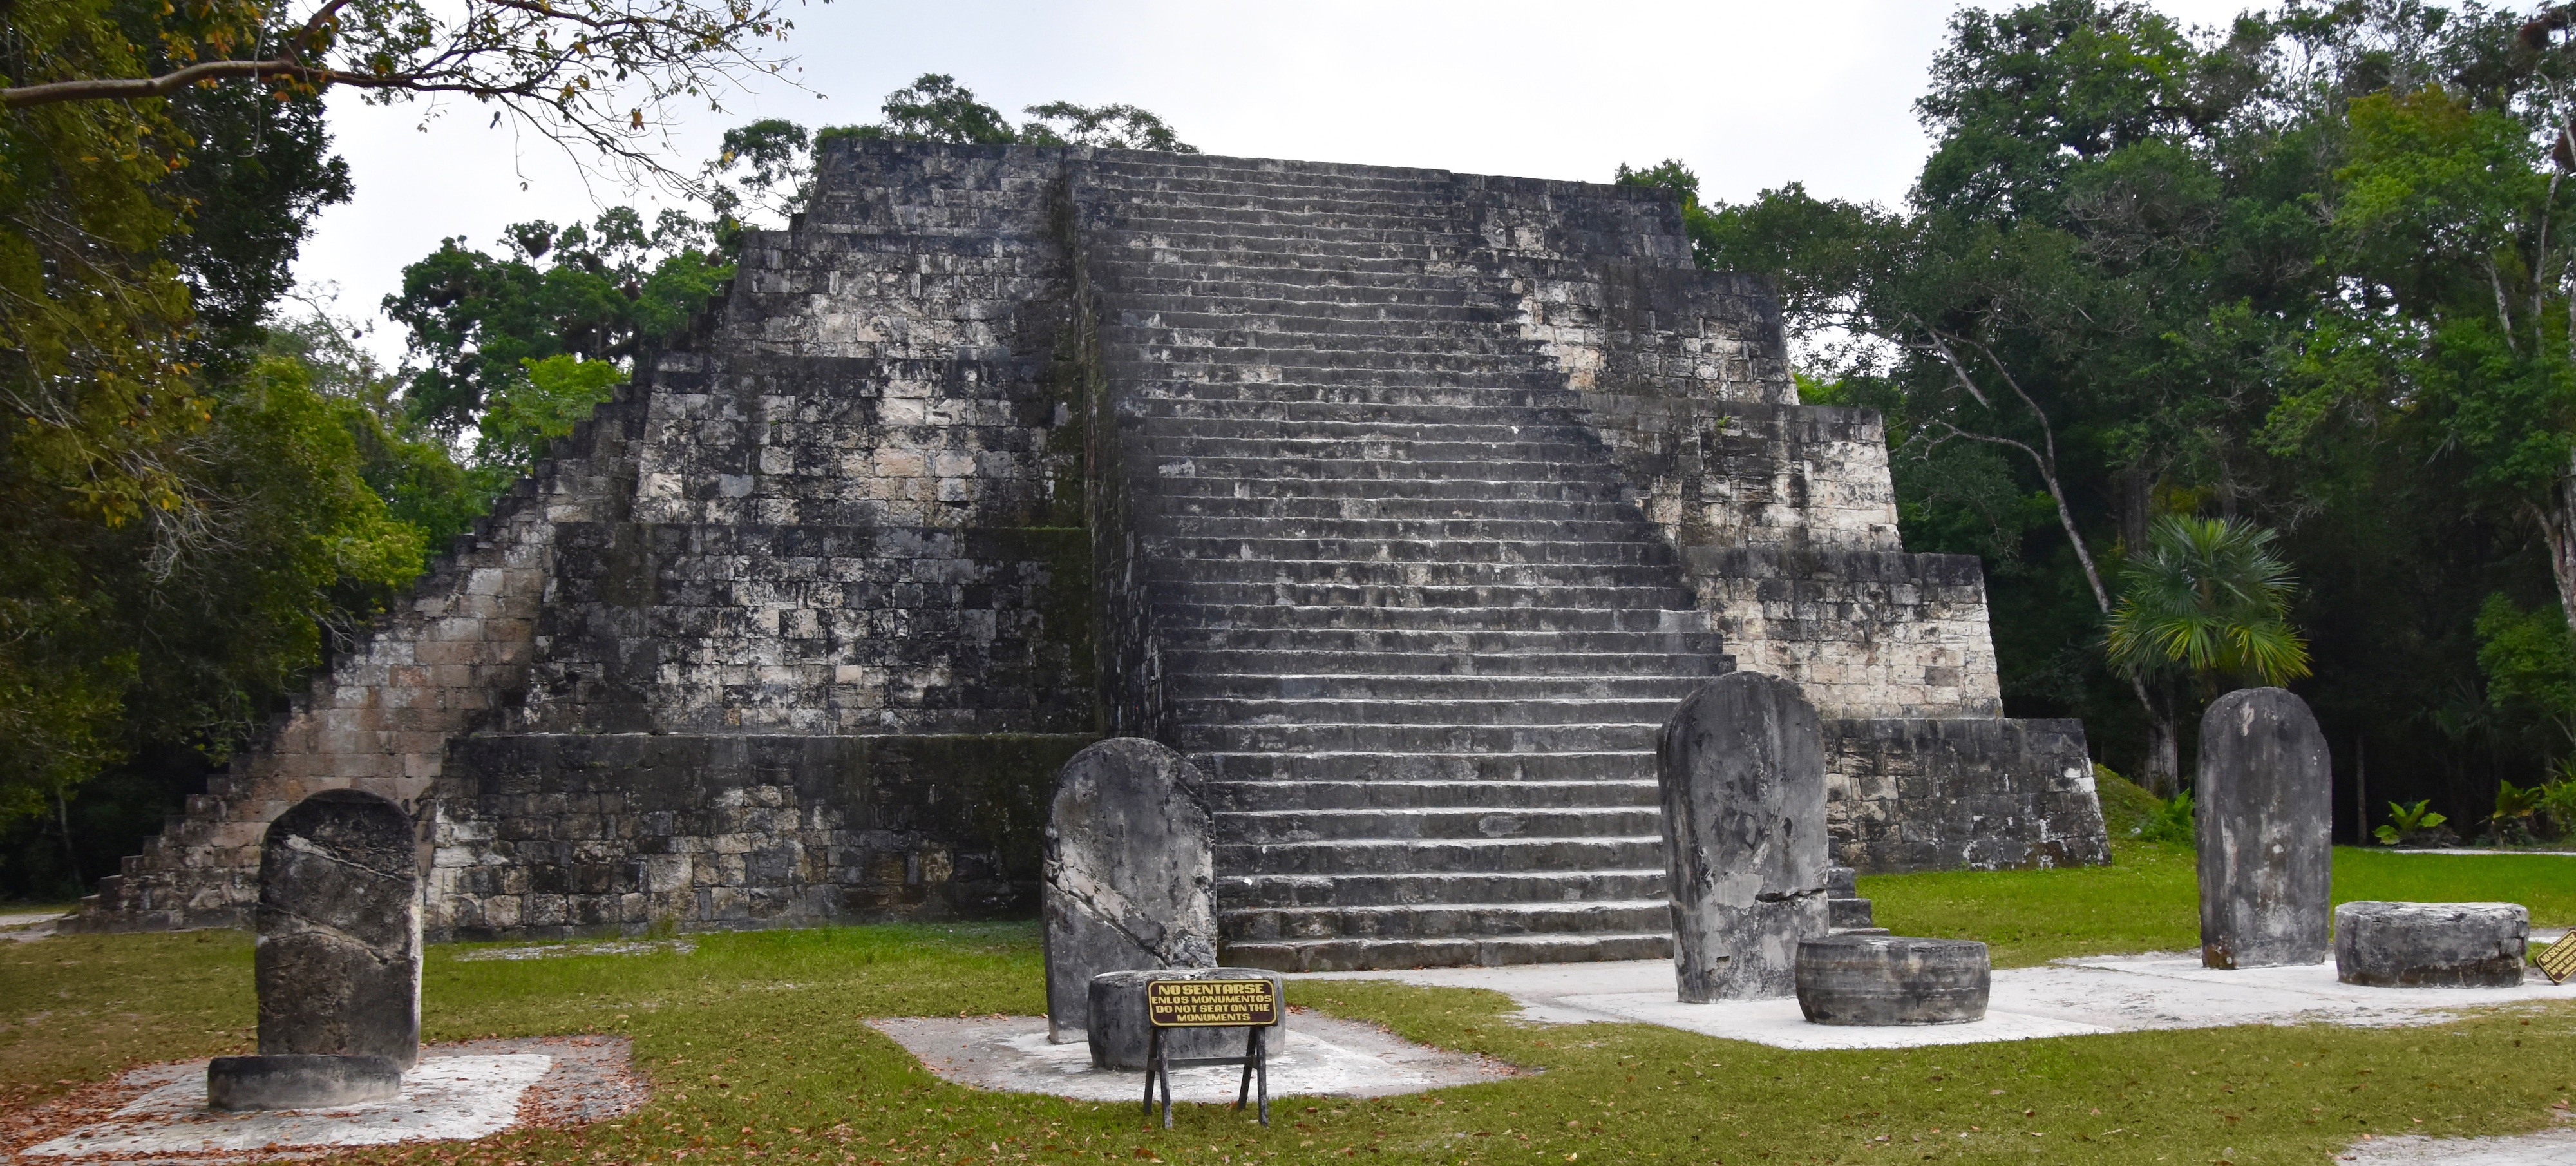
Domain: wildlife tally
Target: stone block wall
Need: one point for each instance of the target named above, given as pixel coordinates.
(857, 507)
(1960, 793)
(569, 834)
(1866, 633)
(1607, 289)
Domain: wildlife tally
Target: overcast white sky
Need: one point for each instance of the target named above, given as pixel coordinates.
(1750, 93)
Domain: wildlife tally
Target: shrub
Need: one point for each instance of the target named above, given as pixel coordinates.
(2172, 823)
(2412, 824)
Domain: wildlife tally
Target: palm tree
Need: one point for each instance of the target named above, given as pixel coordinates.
(2211, 599)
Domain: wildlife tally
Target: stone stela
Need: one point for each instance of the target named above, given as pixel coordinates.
(1128, 874)
(2266, 838)
(337, 965)
(1743, 779)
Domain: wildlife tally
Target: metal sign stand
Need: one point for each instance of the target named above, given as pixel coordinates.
(1256, 1069)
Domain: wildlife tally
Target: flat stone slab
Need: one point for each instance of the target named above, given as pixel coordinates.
(463, 1091)
(1322, 1056)
(2072, 997)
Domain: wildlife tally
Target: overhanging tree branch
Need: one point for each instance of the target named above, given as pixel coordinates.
(591, 72)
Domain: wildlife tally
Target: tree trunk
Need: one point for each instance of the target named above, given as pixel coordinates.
(2164, 756)
(71, 856)
(2557, 520)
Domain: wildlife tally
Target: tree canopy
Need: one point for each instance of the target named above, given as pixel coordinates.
(2291, 278)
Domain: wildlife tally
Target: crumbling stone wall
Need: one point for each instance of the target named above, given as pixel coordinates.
(1951, 793)
(451, 658)
(847, 516)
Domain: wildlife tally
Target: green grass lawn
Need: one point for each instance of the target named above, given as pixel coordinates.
(2148, 899)
(757, 1050)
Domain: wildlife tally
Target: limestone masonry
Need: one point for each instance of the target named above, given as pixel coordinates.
(1406, 504)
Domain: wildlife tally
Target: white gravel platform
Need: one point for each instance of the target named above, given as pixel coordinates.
(1322, 1056)
(442, 1097)
(2071, 997)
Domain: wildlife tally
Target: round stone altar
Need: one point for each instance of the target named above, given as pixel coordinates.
(1119, 1031)
(2431, 945)
(1892, 980)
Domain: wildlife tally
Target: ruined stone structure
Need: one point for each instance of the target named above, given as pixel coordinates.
(1405, 503)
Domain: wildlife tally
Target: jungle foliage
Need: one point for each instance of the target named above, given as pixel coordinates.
(208, 485)
(2305, 278)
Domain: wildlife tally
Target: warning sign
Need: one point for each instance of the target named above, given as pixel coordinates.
(2558, 960)
(1210, 1003)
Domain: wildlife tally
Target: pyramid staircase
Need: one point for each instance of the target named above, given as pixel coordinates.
(1409, 630)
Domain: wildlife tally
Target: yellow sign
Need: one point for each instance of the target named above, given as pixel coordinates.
(2558, 961)
(1210, 1003)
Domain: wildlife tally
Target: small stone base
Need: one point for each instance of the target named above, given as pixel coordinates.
(1119, 1033)
(300, 1081)
(2431, 945)
(1892, 980)
(1845, 910)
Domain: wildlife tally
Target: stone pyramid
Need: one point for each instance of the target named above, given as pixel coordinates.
(1407, 503)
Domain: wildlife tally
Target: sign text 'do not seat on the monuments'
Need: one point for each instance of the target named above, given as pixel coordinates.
(1211, 1003)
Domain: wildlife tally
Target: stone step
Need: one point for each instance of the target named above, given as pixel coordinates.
(1427, 265)
(1278, 827)
(1360, 856)
(1416, 686)
(1243, 891)
(1670, 660)
(1504, 591)
(1112, 208)
(1480, 712)
(1428, 765)
(1198, 545)
(1445, 921)
(1202, 174)
(1296, 374)
(1361, 469)
(1359, 955)
(1162, 297)
(1374, 737)
(1245, 411)
(1253, 456)
(1232, 345)
(1524, 618)
(1356, 327)
(1206, 516)
(1224, 797)
(1350, 955)
(1428, 573)
(1141, 282)
(1141, 226)
(1328, 319)
(1398, 491)
(1438, 215)
(1235, 423)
